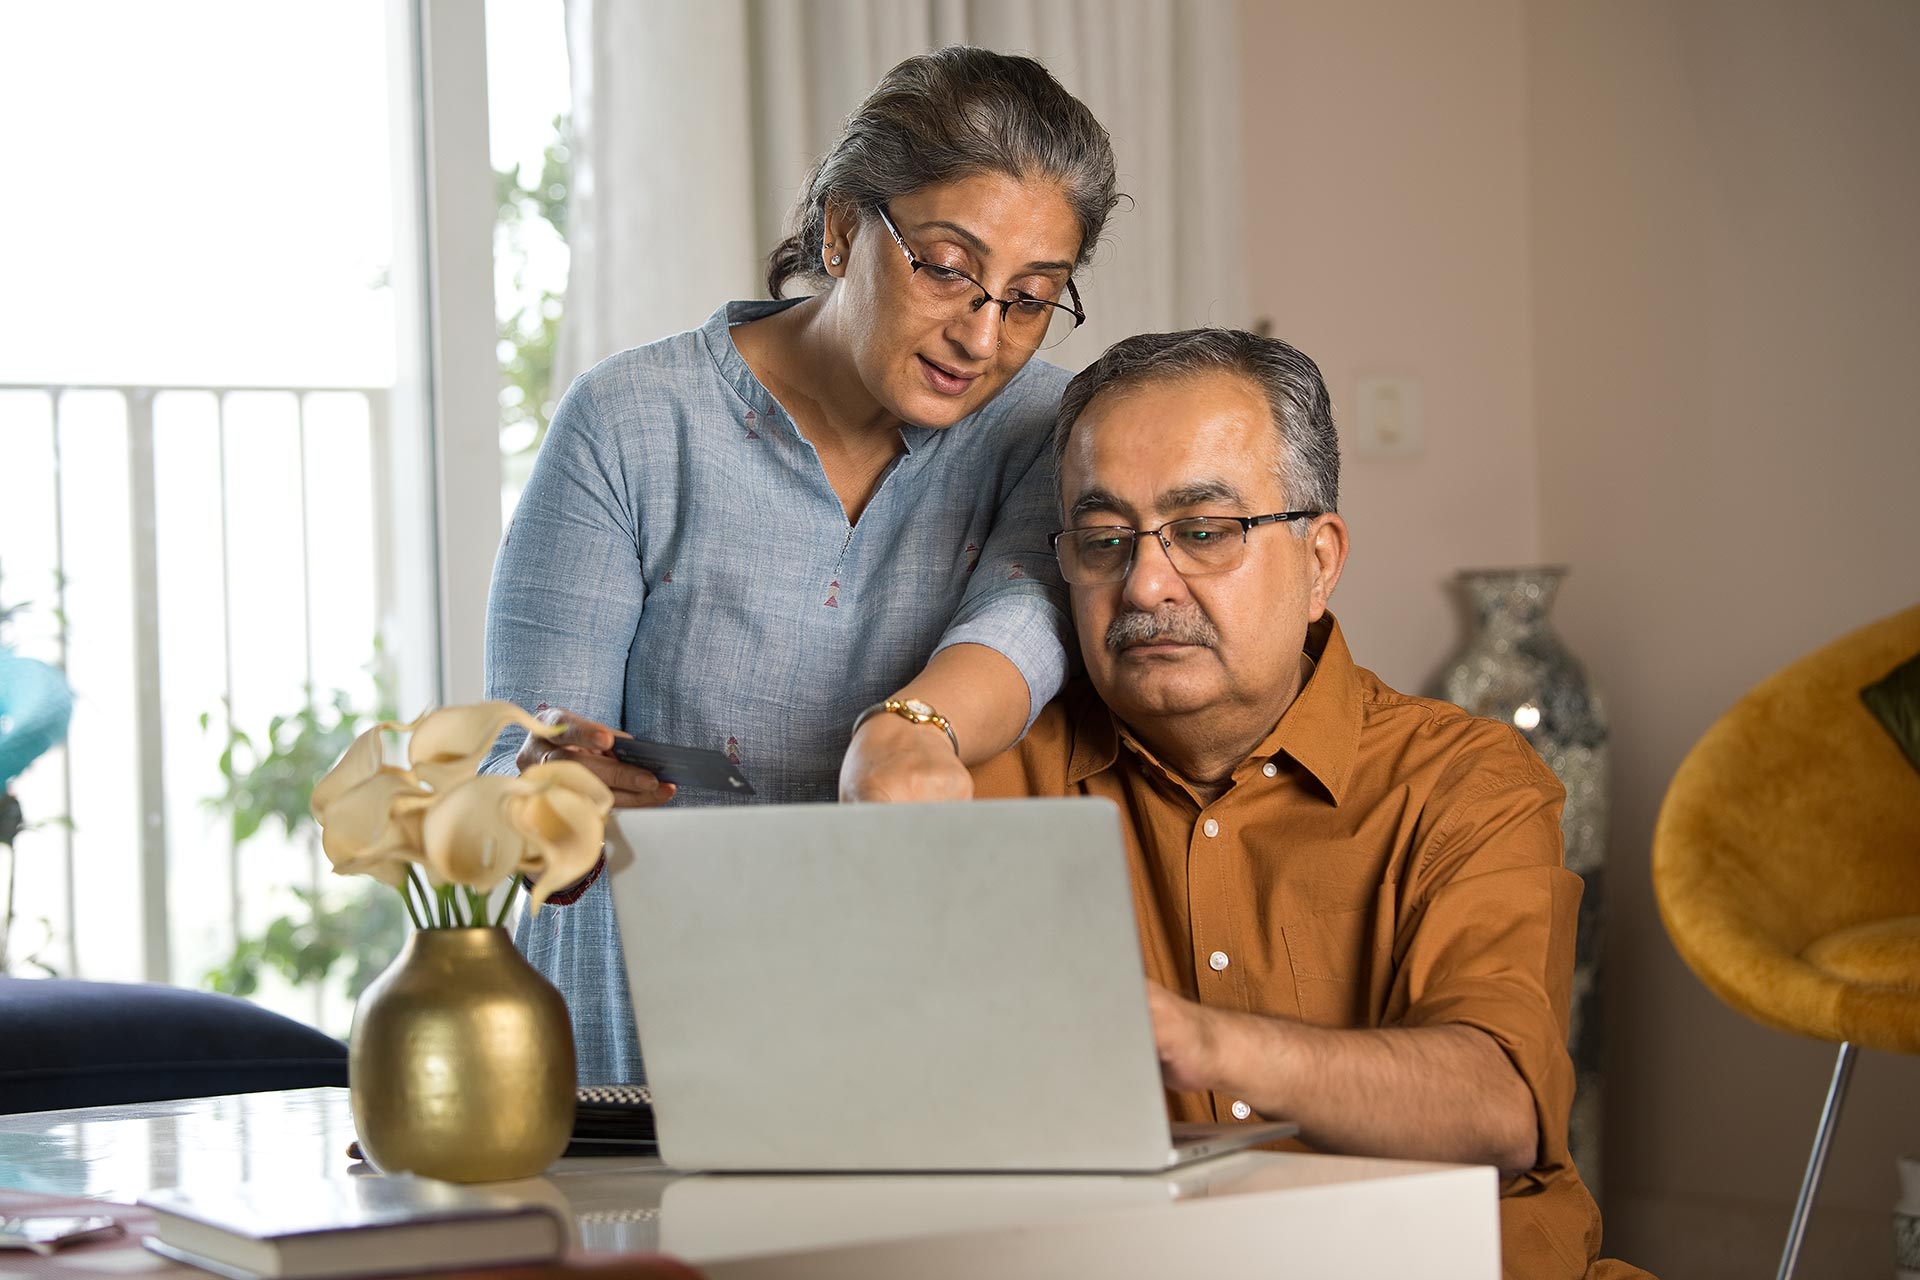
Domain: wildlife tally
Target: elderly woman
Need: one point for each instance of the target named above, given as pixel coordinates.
(813, 533)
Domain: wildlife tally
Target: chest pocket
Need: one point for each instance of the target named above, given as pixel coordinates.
(1332, 961)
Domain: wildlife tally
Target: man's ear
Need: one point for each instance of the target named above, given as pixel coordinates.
(1327, 548)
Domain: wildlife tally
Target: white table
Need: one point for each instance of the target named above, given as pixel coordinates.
(1248, 1214)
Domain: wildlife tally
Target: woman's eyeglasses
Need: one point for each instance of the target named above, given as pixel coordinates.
(1027, 322)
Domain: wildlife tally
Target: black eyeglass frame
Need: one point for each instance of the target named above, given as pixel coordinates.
(1247, 525)
(1077, 311)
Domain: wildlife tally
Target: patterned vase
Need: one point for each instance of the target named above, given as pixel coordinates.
(1906, 1221)
(1515, 669)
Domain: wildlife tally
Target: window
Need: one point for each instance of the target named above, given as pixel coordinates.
(223, 493)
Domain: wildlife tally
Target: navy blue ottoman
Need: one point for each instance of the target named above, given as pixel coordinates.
(67, 1043)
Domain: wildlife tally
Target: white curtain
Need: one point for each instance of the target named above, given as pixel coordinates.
(695, 121)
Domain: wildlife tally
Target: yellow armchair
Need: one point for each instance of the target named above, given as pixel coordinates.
(1786, 862)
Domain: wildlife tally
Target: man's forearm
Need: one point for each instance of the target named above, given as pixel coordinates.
(1417, 1093)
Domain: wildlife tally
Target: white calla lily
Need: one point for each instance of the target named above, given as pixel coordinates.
(467, 839)
(361, 760)
(564, 817)
(467, 829)
(369, 828)
(448, 745)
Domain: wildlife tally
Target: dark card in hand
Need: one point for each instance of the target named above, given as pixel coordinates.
(684, 766)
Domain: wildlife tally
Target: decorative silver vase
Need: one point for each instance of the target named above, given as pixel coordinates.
(1906, 1221)
(1515, 669)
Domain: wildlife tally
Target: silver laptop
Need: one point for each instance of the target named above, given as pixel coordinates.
(914, 987)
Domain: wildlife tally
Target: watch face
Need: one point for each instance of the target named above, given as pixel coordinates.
(916, 706)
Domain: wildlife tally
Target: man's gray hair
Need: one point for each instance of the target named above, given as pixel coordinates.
(1291, 382)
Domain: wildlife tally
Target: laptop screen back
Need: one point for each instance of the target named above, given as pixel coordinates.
(907, 987)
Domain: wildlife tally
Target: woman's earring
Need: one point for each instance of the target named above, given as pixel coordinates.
(834, 261)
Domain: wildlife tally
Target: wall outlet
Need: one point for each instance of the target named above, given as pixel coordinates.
(1386, 419)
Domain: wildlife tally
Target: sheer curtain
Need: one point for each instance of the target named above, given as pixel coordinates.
(694, 125)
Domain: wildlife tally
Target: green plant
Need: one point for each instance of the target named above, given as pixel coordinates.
(529, 326)
(277, 782)
(271, 780)
(362, 928)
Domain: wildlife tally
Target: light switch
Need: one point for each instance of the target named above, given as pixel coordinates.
(1385, 422)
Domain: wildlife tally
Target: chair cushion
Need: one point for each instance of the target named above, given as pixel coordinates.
(1794, 819)
(69, 1043)
(1883, 953)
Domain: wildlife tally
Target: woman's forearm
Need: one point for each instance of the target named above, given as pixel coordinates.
(981, 694)
(977, 691)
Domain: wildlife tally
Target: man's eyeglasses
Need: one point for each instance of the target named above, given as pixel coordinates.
(1027, 322)
(1197, 546)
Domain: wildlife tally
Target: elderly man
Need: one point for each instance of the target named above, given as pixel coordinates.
(1351, 903)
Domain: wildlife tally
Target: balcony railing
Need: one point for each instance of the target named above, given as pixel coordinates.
(186, 552)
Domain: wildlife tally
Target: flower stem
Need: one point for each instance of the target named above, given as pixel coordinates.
(407, 898)
(476, 909)
(506, 903)
(449, 909)
(420, 891)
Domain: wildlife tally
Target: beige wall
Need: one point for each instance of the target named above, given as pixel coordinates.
(1386, 194)
(1726, 270)
(1656, 267)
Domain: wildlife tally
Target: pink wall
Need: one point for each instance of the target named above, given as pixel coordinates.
(1725, 196)
(1387, 223)
(1655, 265)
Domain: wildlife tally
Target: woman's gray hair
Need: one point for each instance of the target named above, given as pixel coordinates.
(946, 115)
(1303, 413)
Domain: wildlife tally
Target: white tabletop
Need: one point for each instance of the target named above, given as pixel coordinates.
(1252, 1213)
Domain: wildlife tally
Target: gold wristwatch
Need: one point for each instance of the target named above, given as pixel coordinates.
(910, 709)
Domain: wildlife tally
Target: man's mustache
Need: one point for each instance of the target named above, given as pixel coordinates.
(1169, 626)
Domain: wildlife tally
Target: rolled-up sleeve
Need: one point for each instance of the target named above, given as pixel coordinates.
(567, 586)
(1489, 942)
(1016, 604)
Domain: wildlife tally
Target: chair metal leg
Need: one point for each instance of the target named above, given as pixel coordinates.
(1817, 1160)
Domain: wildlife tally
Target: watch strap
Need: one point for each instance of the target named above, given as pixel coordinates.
(900, 707)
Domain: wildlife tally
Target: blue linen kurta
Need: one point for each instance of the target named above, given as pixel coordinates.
(680, 567)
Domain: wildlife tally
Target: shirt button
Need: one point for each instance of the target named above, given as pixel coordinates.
(1211, 827)
(1218, 960)
(1241, 1110)
(1269, 768)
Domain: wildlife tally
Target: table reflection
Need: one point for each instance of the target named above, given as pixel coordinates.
(120, 1153)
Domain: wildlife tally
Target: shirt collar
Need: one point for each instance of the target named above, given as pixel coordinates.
(1096, 739)
(726, 357)
(735, 373)
(1320, 732)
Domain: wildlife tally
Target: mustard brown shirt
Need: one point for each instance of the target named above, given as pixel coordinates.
(1379, 860)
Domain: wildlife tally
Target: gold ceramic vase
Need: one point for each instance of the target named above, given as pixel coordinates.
(461, 1061)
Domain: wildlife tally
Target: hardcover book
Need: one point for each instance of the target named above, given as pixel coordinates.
(349, 1226)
